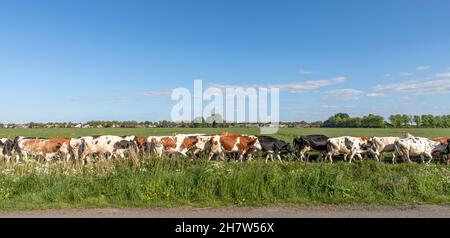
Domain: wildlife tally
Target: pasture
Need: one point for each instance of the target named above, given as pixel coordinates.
(176, 182)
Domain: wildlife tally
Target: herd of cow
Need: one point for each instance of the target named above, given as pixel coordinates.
(86, 148)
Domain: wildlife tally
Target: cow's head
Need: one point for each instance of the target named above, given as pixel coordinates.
(254, 143)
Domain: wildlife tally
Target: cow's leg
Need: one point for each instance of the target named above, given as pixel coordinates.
(430, 157)
(329, 157)
(267, 157)
(302, 156)
(360, 157)
(279, 158)
(47, 157)
(407, 157)
(211, 154)
(241, 157)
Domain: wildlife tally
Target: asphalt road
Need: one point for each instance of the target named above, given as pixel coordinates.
(425, 211)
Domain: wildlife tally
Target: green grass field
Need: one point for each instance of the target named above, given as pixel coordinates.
(159, 182)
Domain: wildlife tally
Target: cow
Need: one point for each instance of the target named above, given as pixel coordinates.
(43, 147)
(419, 146)
(172, 145)
(381, 145)
(348, 146)
(271, 146)
(108, 145)
(357, 146)
(304, 144)
(6, 149)
(229, 143)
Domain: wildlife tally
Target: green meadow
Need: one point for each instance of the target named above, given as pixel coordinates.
(176, 182)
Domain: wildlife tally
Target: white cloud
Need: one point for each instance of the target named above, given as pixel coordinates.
(155, 94)
(346, 94)
(423, 68)
(416, 87)
(292, 87)
(305, 72)
(375, 95)
(443, 75)
(406, 74)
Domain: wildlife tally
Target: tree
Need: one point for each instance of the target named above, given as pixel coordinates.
(373, 121)
(417, 120)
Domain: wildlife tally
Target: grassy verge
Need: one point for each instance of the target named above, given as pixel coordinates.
(178, 182)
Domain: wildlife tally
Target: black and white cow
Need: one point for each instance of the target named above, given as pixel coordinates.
(108, 145)
(271, 146)
(308, 143)
(6, 149)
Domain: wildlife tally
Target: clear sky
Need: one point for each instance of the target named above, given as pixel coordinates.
(115, 60)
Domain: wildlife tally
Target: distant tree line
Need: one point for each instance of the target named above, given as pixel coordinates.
(338, 120)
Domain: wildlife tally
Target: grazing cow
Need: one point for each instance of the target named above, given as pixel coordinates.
(229, 143)
(112, 146)
(347, 146)
(418, 146)
(304, 144)
(381, 145)
(6, 149)
(172, 145)
(41, 147)
(271, 146)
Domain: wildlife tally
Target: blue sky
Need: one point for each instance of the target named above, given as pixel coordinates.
(115, 60)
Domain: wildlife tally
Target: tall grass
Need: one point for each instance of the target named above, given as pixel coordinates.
(180, 182)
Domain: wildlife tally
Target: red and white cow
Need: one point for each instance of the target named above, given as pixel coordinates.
(228, 143)
(172, 145)
(40, 147)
